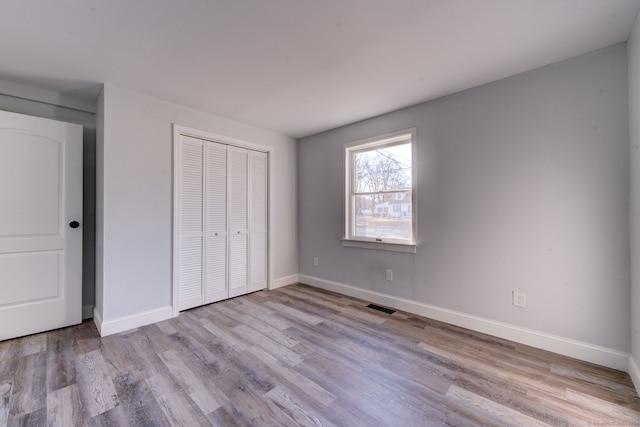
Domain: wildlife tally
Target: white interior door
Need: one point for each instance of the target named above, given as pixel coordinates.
(40, 225)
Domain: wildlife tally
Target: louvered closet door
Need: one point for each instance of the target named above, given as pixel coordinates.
(215, 282)
(257, 221)
(238, 220)
(189, 222)
(221, 221)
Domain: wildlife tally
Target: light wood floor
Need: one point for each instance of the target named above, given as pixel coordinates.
(300, 356)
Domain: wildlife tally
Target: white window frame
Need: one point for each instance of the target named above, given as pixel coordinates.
(397, 245)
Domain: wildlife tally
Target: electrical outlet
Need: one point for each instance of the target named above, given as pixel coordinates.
(519, 299)
(315, 261)
(389, 275)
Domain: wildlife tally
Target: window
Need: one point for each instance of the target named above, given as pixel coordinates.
(380, 192)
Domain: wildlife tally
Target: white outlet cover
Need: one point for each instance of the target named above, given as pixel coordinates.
(519, 299)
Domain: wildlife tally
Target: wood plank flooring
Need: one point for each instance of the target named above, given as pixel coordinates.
(301, 356)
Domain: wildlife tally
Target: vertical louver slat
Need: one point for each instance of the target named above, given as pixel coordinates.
(190, 223)
(258, 261)
(258, 200)
(216, 197)
(238, 189)
(216, 267)
(191, 187)
(238, 216)
(190, 268)
(237, 264)
(258, 221)
(216, 224)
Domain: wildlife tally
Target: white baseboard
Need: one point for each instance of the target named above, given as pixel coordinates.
(87, 312)
(599, 355)
(284, 281)
(125, 323)
(634, 373)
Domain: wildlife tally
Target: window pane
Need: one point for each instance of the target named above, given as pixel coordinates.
(383, 215)
(382, 169)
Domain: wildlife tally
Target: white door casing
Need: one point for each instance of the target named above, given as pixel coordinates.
(40, 196)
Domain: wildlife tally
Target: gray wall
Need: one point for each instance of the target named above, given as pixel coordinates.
(522, 184)
(633, 48)
(88, 122)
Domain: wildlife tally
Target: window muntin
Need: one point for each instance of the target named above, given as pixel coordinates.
(379, 199)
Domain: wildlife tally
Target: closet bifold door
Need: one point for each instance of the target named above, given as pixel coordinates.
(221, 213)
(215, 282)
(257, 221)
(189, 222)
(237, 164)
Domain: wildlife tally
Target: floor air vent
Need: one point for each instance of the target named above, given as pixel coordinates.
(382, 309)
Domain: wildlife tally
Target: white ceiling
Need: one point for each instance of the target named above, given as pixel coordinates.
(296, 67)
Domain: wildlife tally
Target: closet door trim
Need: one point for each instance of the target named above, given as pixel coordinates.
(178, 131)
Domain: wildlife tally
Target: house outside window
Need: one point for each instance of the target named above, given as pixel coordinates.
(380, 209)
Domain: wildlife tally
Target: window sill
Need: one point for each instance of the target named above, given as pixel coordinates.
(382, 246)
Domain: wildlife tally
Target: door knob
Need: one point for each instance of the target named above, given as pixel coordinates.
(74, 224)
